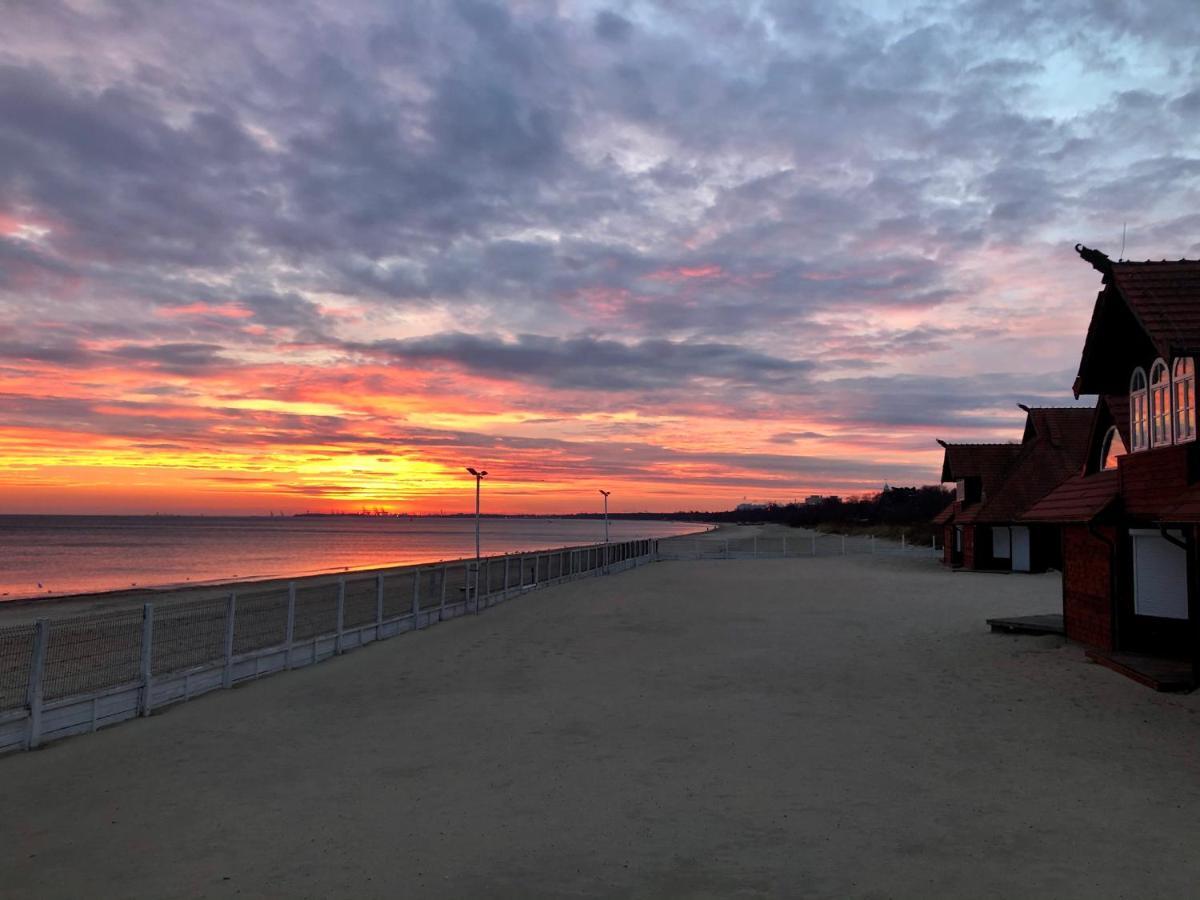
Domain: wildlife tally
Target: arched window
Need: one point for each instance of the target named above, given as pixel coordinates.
(1112, 448)
(1185, 399)
(1160, 404)
(1137, 411)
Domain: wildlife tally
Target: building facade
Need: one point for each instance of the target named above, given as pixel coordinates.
(1129, 519)
(997, 483)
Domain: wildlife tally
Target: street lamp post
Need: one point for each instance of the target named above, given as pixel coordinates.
(606, 493)
(478, 478)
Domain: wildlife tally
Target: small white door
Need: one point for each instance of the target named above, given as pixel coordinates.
(1000, 548)
(1020, 548)
(1159, 576)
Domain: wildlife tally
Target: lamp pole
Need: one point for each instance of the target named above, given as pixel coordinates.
(606, 493)
(479, 476)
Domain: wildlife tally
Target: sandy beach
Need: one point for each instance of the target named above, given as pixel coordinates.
(831, 727)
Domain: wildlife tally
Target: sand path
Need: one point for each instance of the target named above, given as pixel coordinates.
(837, 727)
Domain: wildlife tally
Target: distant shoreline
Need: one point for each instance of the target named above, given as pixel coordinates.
(18, 609)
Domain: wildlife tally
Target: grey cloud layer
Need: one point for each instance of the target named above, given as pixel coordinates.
(704, 185)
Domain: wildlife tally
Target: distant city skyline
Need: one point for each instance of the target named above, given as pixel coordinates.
(323, 255)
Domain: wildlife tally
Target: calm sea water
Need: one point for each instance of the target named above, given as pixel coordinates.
(54, 555)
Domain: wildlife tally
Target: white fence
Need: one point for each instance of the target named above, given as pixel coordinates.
(801, 544)
(73, 675)
(69, 676)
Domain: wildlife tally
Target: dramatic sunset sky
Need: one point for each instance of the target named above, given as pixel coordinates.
(314, 255)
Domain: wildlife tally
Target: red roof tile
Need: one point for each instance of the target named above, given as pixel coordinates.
(1186, 510)
(985, 461)
(1055, 447)
(1078, 499)
(1163, 298)
(945, 516)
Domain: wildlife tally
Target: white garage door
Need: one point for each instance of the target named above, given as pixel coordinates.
(1020, 548)
(1000, 543)
(1159, 576)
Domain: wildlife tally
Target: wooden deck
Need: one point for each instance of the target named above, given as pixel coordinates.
(1165, 674)
(1050, 623)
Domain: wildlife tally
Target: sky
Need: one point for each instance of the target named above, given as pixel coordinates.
(324, 254)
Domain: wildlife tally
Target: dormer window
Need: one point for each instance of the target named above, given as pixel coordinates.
(970, 489)
(1112, 449)
(1138, 431)
(1160, 404)
(1185, 399)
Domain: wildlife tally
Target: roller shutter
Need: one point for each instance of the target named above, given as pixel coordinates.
(1159, 576)
(1020, 548)
(1000, 543)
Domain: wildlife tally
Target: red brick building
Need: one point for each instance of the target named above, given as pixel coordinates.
(983, 528)
(1130, 518)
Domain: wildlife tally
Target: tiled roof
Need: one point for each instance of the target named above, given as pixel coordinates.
(1165, 296)
(1055, 448)
(1015, 476)
(945, 516)
(1118, 406)
(1164, 300)
(985, 461)
(1078, 499)
(1186, 510)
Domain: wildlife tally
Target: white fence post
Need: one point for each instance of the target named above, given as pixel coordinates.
(814, 545)
(379, 606)
(442, 601)
(872, 543)
(416, 601)
(727, 548)
(506, 576)
(903, 541)
(230, 616)
(843, 545)
(37, 670)
(147, 648)
(291, 625)
(341, 616)
(785, 545)
(756, 546)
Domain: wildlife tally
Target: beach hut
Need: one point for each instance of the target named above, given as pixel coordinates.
(997, 483)
(1130, 518)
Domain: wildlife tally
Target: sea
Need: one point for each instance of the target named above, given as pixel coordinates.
(46, 556)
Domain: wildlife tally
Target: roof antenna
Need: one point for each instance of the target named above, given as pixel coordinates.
(1124, 225)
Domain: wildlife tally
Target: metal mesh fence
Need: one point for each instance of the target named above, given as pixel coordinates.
(188, 634)
(431, 587)
(260, 620)
(361, 601)
(95, 651)
(456, 582)
(91, 652)
(494, 575)
(398, 593)
(316, 610)
(16, 653)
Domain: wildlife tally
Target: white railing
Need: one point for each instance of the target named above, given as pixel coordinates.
(803, 543)
(68, 676)
(60, 677)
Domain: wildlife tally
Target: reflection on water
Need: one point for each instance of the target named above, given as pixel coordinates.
(42, 555)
